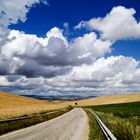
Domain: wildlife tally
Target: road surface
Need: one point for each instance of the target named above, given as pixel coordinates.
(73, 125)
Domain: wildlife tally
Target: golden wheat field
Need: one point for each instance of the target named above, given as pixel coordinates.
(111, 99)
(12, 105)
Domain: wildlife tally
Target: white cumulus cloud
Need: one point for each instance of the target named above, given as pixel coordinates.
(56, 65)
(111, 75)
(12, 11)
(119, 24)
(53, 55)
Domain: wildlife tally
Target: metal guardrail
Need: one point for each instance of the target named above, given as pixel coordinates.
(26, 117)
(105, 130)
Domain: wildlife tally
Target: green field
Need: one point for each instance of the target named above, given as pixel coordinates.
(123, 110)
(122, 119)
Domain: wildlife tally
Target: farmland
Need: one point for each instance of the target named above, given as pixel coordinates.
(15, 106)
(118, 112)
(12, 105)
(122, 119)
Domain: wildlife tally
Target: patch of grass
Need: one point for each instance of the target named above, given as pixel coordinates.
(18, 124)
(122, 119)
(95, 131)
(123, 110)
(122, 128)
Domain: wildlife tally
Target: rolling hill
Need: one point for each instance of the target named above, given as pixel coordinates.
(12, 105)
(111, 99)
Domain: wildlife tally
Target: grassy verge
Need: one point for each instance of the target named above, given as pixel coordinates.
(122, 119)
(122, 128)
(18, 124)
(95, 131)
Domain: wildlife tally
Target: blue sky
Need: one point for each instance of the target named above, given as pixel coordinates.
(67, 47)
(42, 18)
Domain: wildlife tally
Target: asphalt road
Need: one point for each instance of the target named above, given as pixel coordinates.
(72, 125)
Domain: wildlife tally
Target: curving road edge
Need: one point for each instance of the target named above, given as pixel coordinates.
(72, 125)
